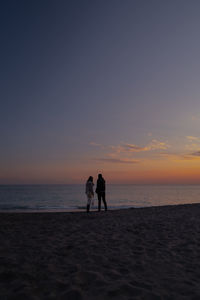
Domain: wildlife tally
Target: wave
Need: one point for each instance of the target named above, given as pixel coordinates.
(48, 208)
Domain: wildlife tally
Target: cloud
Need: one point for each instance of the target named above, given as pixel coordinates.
(168, 155)
(188, 157)
(155, 144)
(197, 153)
(176, 156)
(129, 148)
(193, 143)
(123, 153)
(95, 144)
(192, 138)
(119, 160)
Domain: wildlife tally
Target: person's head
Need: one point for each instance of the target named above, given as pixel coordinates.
(100, 176)
(90, 179)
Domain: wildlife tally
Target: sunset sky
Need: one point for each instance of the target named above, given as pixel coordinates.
(105, 86)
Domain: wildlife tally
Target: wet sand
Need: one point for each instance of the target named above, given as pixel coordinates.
(144, 253)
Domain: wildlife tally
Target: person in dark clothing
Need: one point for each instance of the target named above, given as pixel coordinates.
(101, 191)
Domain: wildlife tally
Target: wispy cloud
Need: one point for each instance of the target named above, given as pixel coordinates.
(96, 144)
(118, 160)
(192, 138)
(153, 145)
(180, 157)
(188, 157)
(193, 143)
(123, 148)
(123, 153)
(196, 153)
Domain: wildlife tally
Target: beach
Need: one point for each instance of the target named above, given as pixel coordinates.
(143, 253)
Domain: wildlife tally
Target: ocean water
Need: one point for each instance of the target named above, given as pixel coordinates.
(72, 197)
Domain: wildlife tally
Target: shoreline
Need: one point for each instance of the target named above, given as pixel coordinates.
(82, 210)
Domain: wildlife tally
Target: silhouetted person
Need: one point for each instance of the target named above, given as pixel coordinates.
(89, 192)
(101, 191)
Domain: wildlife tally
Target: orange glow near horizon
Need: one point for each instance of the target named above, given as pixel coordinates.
(149, 172)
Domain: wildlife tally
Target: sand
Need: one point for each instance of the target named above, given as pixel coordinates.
(146, 253)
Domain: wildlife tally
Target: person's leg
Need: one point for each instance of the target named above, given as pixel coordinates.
(104, 200)
(99, 201)
(88, 204)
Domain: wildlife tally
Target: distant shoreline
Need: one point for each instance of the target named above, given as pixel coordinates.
(92, 211)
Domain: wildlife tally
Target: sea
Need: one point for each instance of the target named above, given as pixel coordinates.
(51, 198)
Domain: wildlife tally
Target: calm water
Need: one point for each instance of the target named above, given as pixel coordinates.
(70, 197)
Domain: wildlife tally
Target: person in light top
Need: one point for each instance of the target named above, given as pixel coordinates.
(89, 192)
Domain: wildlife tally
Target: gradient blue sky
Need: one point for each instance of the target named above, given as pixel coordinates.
(100, 86)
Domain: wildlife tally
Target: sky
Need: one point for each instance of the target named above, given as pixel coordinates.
(108, 86)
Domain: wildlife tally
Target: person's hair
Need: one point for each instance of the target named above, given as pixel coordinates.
(100, 176)
(90, 179)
